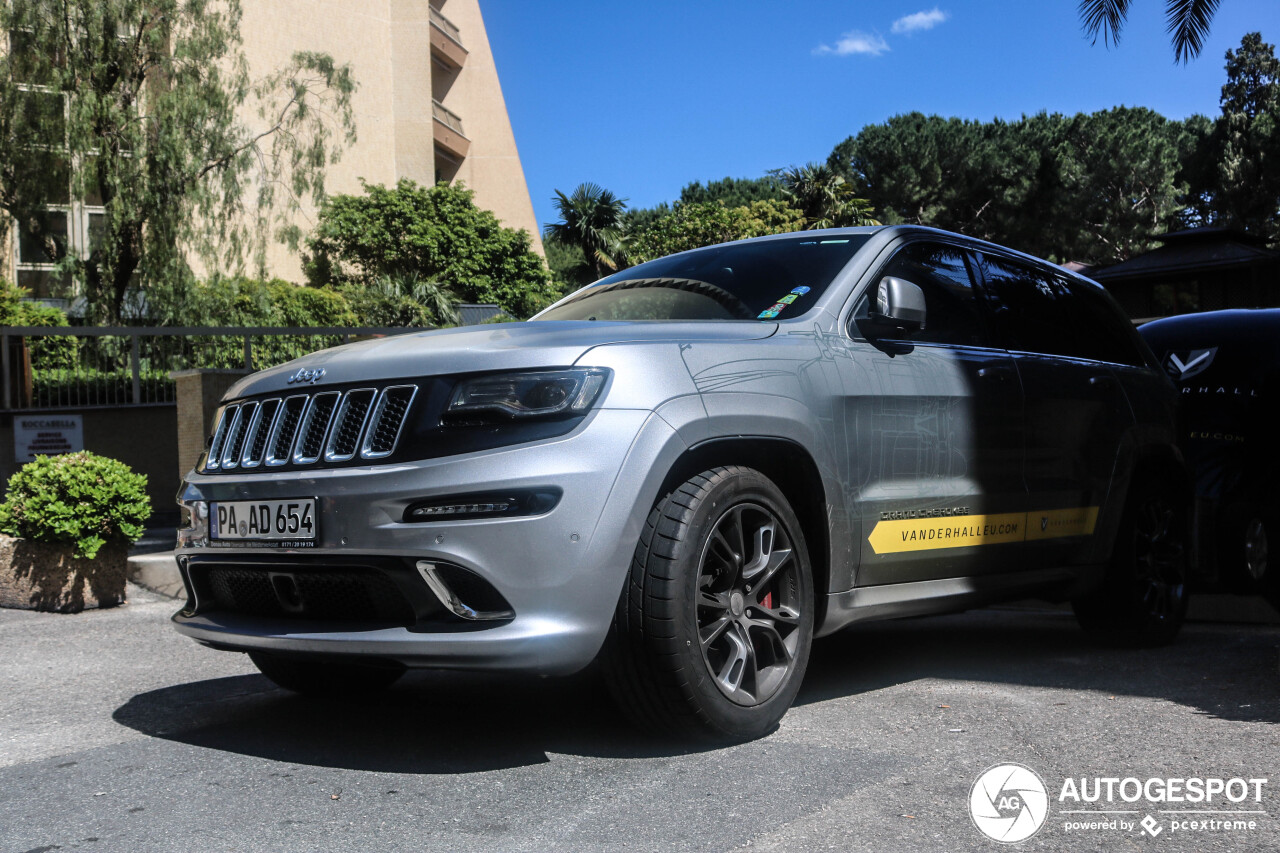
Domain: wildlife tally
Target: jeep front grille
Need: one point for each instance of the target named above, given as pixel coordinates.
(304, 429)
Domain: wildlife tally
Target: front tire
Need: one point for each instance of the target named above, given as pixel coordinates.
(1143, 598)
(325, 678)
(713, 629)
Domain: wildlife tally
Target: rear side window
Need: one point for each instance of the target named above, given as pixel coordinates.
(952, 314)
(1032, 310)
(1036, 310)
(1104, 329)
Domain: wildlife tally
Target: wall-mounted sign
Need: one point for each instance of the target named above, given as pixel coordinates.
(44, 435)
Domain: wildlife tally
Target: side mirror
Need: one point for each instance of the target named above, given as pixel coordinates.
(899, 304)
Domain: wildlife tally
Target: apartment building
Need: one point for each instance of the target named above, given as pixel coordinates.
(428, 107)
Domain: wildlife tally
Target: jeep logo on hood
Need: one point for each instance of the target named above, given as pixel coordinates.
(1183, 364)
(305, 375)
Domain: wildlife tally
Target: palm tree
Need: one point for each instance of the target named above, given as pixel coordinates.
(436, 299)
(824, 197)
(1188, 22)
(591, 219)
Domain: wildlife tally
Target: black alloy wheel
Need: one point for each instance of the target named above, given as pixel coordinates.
(713, 628)
(749, 604)
(1143, 598)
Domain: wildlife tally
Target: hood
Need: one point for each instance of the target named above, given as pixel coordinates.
(470, 349)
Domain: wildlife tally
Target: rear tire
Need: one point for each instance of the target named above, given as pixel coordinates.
(1143, 598)
(1263, 575)
(713, 629)
(325, 678)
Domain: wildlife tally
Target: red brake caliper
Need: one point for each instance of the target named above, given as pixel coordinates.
(767, 601)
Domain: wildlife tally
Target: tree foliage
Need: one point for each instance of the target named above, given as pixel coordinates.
(823, 197)
(17, 310)
(242, 301)
(1244, 184)
(49, 351)
(139, 105)
(1093, 187)
(569, 269)
(591, 221)
(1189, 22)
(733, 192)
(409, 232)
(691, 226)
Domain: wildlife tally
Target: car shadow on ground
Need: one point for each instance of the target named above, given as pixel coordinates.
(442, 722)
(1231, 672)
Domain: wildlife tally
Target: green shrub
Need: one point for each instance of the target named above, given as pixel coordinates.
(434, 233)
(76, 499)
(54, 351)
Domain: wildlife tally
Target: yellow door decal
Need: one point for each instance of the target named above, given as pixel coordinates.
(964, 531)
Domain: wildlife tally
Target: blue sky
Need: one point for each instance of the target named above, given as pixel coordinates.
(645, 97)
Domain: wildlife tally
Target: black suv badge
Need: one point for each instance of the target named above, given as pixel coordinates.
(1184, 365)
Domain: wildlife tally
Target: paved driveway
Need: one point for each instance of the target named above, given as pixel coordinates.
(117, 734)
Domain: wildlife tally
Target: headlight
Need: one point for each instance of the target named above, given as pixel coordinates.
(534, 394)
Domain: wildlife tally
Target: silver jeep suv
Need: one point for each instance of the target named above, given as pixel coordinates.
(689, 470)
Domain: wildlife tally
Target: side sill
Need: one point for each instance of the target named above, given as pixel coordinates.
(920, 598)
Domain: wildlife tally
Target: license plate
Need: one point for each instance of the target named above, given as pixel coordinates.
(271, 521)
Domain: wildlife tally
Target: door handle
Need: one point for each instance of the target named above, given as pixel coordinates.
(1101, 382)
(993, 374)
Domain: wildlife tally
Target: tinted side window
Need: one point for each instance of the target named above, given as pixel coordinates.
(1103, 327)
(1032, 309)
(952, 313)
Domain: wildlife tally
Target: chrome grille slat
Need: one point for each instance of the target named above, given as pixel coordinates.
(225, 416)
(348, 424)
(255, 443)
(235, 436)
(285, 430)
(314, 427)
(387, 421)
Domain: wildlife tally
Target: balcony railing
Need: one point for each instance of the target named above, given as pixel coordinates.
(446, 26)
(448, 118)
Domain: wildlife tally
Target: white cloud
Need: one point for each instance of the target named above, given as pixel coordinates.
(855, 41)
(919, 21)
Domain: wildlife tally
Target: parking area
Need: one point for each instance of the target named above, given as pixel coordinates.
(117, 734)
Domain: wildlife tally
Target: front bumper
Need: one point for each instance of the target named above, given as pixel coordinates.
(561, 572)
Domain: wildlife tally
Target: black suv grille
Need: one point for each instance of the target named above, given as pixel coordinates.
(329, 426)
(347, 595)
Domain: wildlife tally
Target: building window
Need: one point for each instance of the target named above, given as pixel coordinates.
(69, 225)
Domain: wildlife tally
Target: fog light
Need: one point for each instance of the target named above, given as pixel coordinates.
(421, 512)
(483, 505)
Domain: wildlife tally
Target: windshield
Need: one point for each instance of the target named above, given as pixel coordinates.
(755, 280)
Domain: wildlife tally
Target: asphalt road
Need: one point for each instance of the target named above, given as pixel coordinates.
(116, 734)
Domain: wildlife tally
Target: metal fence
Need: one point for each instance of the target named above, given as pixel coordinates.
(45, 367)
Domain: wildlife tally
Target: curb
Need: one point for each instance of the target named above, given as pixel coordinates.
(158, 573)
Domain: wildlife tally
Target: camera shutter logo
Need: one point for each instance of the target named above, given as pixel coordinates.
(1008, 803)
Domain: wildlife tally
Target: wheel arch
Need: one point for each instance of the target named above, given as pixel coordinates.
(794, 471)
